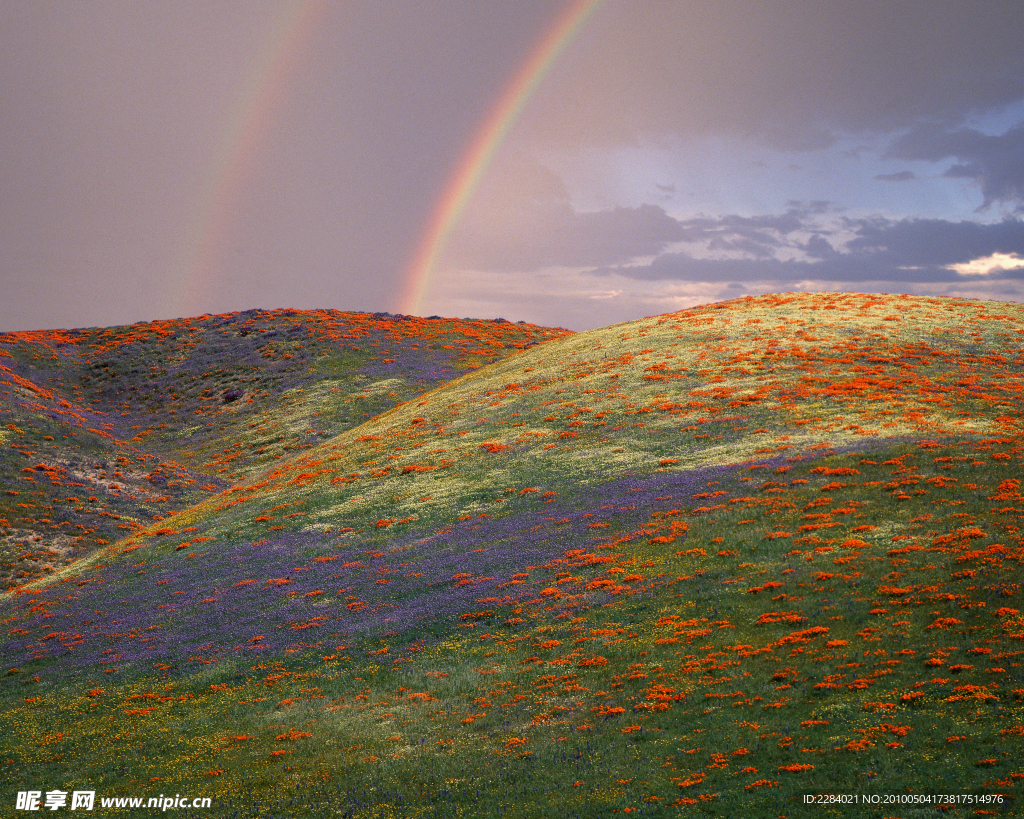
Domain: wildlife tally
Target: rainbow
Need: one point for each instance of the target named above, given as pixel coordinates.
(488, 140)
(243, 138)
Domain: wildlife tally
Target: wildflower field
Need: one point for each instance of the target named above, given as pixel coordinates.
(708, 563)
(103, 431)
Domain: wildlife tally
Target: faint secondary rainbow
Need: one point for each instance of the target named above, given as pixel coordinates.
(489, 138)
(246, 129)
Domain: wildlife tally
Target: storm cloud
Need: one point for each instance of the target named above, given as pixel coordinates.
(795, 75)
(995, 162)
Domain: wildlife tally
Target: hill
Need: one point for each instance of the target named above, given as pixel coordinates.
(103, 431)
(703, 563)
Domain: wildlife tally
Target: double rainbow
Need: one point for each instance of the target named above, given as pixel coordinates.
(211, 223)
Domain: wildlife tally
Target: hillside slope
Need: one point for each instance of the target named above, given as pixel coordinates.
(709, 561)
(105, 430)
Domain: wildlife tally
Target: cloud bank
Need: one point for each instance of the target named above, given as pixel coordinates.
(903, 251)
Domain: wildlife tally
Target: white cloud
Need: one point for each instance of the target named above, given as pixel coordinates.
(987, 264)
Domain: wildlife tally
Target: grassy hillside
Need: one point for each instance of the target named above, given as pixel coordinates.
(702, 564)
(103, 431)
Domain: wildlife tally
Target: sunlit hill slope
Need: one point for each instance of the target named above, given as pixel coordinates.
(698, 564)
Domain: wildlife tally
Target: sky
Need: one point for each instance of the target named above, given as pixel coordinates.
(570, 163)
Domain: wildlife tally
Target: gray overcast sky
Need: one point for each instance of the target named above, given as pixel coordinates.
(167, 159)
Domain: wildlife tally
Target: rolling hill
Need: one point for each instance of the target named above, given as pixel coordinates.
(704, 563)
(103, 431)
